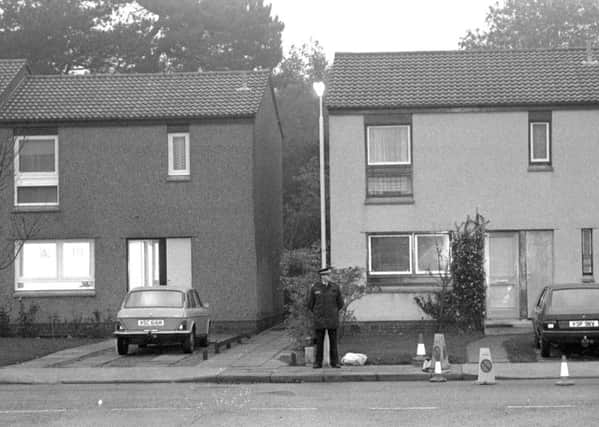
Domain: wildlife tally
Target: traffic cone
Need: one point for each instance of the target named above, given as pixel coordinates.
(420, 352)
(438, 375)
(563, 373)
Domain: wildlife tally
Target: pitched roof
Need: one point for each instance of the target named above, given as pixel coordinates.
(9, 68)
(136, 96)
(463, 79)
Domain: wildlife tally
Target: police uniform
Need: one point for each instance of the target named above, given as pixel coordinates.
(325, 301)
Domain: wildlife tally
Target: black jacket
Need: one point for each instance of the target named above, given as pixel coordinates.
(325, 302)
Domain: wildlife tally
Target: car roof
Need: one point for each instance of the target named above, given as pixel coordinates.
(573, 286)
(160, 289)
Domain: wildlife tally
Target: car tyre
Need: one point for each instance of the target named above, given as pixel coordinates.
(122, 346)
(545, 348)
(190, 341)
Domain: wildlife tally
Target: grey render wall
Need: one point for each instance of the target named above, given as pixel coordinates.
(113, 186)
(268, 190)
(465, 161)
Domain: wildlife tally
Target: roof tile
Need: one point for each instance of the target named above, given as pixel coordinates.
(469, 78)
(136, 96)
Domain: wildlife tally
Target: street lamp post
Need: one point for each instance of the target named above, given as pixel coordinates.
(319, 89)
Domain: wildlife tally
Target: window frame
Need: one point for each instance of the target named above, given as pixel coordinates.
(590, 254)
(531, 158)
(406, 163)
(413, 271)
(171, 170)
(389, 169)
(416, 236)
(383, 273)
(86, 283)
(35, 179)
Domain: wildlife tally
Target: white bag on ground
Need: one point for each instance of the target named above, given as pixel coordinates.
(356, 359)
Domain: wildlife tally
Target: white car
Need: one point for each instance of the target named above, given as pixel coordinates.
(156, 315)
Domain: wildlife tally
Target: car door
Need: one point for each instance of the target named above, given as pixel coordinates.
(537, 317)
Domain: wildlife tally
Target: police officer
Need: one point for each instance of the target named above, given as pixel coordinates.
(325, 301)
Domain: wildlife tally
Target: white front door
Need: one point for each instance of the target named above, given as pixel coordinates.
(178, 262)
(503, 285)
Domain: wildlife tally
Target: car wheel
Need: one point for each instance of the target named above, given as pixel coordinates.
(122, 346)
(190, 342)
(203, 341)
(545, 348)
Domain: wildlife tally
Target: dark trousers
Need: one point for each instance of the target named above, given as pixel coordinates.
(334, 356)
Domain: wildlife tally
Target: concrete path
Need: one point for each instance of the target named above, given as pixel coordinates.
(260, 359)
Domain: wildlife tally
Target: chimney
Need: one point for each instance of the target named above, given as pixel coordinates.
(590, 60)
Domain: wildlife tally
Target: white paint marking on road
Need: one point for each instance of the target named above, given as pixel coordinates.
(284, 409)
(32, 411)
(409, 408)
(539, 406)
(150, 409)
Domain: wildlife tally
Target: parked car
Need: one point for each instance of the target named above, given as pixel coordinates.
(566, 315)
(155, 315)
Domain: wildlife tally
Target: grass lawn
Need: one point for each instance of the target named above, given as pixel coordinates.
(15, 350)
(520, 348)
(398, 349)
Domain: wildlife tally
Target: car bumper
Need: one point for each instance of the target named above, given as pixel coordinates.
(588, 337)
(149, 337)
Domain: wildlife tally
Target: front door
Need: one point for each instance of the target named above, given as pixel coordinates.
(502, 276)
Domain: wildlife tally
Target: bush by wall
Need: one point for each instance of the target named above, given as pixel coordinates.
(460, 300)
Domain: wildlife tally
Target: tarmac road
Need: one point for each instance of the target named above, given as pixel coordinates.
(509, 403)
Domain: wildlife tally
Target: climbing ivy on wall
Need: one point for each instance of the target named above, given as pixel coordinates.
(460, 300)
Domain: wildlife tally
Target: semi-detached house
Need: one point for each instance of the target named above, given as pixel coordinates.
(144, 180)
(420, 140)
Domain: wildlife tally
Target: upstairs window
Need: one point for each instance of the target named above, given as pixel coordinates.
(36, 171)
(587, 252)
(389, 160)
(178, 154)
(539, 142)
(539, 138)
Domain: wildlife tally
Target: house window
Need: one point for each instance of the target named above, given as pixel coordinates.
(36, 170)
(540, 142)
(407, 253)
(178, 154)
(587, 252)
(431, 253)
(389, 160)
(55, 265)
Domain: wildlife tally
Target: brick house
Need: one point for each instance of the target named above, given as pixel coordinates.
(144, 180)
(420, 140)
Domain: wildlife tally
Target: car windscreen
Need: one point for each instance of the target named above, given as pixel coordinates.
(154, 299)
(566, 301)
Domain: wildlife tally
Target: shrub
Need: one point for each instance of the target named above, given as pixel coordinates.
(460, 300)
(299, 272)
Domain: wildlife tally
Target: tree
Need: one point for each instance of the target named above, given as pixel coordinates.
(57, 36)
(19, 228)
(298, 109)
(528, 24)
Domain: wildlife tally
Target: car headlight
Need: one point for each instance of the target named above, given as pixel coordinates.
(183, 325)
(118, 326)
(549, 325)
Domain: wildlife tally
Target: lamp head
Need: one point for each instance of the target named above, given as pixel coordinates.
(318, 88)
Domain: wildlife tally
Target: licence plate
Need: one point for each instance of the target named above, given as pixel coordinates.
(584, 323)
(150, 322)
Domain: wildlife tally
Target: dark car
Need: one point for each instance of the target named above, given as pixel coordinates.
(566, 315)
(162, 315)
